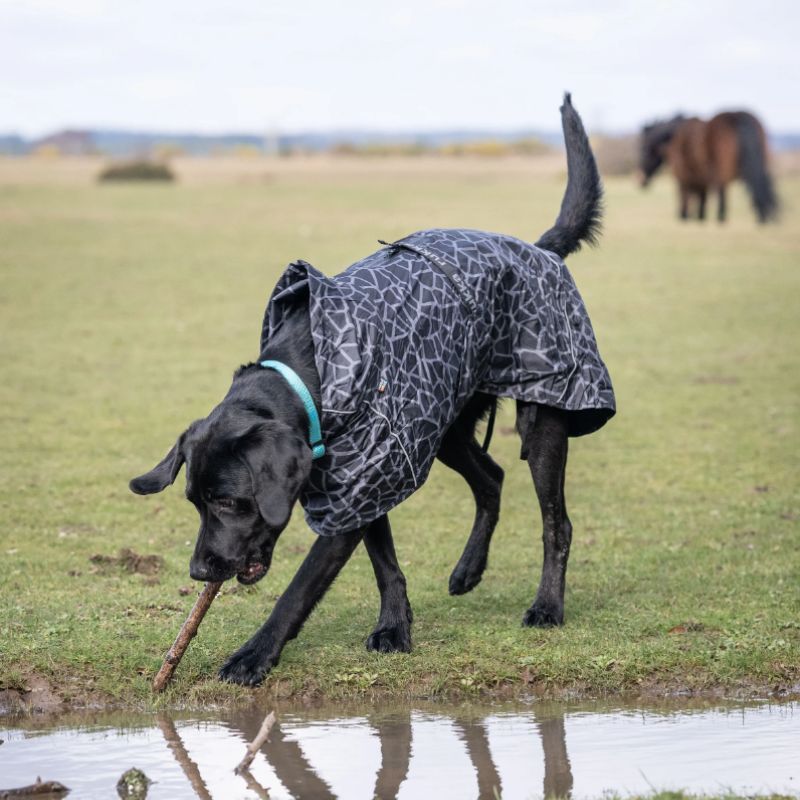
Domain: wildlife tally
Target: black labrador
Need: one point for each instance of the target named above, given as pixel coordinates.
(248, 460)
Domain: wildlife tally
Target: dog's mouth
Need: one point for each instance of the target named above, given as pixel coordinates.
(252, 573)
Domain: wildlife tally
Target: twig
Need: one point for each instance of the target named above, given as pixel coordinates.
(186, 634)
(255, 745)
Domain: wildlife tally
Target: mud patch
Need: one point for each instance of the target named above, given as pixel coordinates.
(130, 561)
(30, 696)
(34, 694)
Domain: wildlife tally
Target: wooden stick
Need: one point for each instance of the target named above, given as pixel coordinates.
(255, 745)
(185, 635)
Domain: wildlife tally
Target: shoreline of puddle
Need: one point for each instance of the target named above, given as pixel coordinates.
(41, 698)
(518, 749)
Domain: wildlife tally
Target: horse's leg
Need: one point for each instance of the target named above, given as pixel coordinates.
(701, 205)
(684, 212)
(722, 207)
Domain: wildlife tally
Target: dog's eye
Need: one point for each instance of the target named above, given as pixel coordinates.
(226, 503)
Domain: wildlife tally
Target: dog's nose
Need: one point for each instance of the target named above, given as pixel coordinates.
(199, 570)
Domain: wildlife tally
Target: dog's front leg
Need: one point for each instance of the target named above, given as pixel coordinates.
(250, 663)
(392, 634)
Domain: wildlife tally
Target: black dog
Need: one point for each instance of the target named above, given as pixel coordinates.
(402, 355)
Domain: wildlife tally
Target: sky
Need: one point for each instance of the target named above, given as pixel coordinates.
(281, 66)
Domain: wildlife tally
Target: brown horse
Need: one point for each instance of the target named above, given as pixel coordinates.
(708, 156)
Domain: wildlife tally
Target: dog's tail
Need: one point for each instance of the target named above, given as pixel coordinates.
(579, 218)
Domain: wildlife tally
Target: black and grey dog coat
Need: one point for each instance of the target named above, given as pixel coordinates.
(404, 337)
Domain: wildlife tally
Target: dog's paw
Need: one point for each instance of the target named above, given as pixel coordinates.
(543, 615)
(247, 667)
(466, 576)
(395, 639)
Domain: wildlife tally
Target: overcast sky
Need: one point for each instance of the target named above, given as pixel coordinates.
(289, 65)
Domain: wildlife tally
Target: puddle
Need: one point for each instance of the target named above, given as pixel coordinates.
(428, 751)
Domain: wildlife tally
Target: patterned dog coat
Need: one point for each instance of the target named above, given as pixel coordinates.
(404, 337)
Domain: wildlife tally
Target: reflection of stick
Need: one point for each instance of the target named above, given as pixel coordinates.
(253, 785)
(49, 788)
(186, 634)
(255, 745)
(190, 769)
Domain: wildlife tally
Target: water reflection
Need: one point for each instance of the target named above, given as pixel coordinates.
(189, 768)
(298, 777)
(395, 736)
(540, 750)
(557, 773)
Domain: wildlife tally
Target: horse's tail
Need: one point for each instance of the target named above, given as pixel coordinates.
(581, 208)
(753, 166)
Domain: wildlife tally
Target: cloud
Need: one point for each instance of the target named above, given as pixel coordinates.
(471, 53)
(424, 63)
(80, 9)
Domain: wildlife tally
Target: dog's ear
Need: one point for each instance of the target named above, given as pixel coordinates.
(164, 473)
(279, 461)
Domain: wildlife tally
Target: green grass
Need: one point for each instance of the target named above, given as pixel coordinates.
(125, 310)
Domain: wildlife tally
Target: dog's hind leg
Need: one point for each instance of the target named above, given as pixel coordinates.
(544, 446)
(393, 632)
(462, 453)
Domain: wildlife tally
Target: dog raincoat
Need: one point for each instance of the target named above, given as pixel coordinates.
(404, 337)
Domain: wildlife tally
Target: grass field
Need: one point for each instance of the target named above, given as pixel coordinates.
(125, 310)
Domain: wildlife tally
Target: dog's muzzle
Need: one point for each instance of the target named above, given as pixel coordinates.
(252, 573)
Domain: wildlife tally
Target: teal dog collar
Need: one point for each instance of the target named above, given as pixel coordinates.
(296, 382)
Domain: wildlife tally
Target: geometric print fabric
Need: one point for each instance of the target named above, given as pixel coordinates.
(399, 352)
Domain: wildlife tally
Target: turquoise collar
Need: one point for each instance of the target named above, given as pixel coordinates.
(296, 382)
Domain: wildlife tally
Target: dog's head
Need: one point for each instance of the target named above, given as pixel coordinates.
(243, 474)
